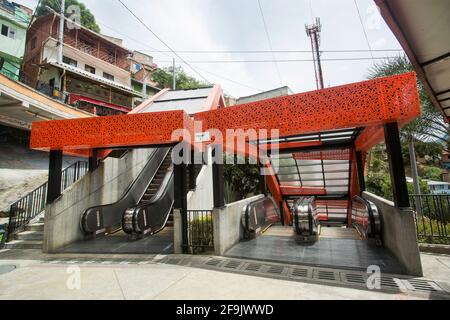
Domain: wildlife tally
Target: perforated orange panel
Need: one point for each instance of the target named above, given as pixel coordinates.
(360, 104)
(112, 131)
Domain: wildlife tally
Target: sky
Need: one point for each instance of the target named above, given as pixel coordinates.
(237, 25)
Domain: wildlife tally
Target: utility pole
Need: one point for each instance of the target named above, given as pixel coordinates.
(61, 32)
(144, 83)
(174, 76)
(313, 31)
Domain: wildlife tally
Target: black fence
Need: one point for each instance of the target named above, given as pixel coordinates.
(30, 206)
(200, 231)
(432, 214)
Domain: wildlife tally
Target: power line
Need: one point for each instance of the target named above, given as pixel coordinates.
(162, 41)
(269, 41)
(275, 51)
(230, 80)
(285, 60)
(364, 29)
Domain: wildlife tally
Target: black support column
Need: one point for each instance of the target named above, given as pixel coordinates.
(191, 171)
(93, 160)
(180, 201)
(54, 175)
(218, 180)
(360, 167)
(396, 167)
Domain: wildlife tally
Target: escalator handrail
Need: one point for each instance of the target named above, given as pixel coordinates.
(126, 193)
(305, 201)
(159, 195)
(249, 206)
(374, 219)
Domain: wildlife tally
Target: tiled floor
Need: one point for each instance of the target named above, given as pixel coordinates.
(342, 252)
(162, 242)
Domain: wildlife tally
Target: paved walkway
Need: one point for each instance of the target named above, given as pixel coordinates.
(35, 279)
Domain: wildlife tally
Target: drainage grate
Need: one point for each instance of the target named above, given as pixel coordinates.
(354, 278)
(423, 285)
(300, 273)
(213, 262)
(390, 282)
(232, 264)
(275, 270)
(253, 267)
(326, 275)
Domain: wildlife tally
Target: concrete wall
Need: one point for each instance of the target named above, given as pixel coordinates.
(105, 185)
(399, 234)
(227, 225)
(202, 197)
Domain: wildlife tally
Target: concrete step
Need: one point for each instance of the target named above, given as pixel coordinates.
(30, 235)
(35, 227)
(23, 244)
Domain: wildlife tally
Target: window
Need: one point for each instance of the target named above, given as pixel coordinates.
(89, 69)
(70, 61)
(5, 30)
(108, 76)
(8, 32)
(12, 33)
(33, 43)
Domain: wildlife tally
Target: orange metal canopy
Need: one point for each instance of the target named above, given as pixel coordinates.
(368, 104)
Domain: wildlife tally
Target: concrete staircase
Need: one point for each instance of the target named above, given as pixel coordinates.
(31, 238)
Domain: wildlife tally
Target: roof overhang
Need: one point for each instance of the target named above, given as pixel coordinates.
(20, 105)
(422, 29)
(93, 78)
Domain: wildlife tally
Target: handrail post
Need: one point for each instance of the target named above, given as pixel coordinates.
(54, 175)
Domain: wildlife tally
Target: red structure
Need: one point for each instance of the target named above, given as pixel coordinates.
(334, 124)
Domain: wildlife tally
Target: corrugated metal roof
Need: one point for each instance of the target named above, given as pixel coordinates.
(191, 101)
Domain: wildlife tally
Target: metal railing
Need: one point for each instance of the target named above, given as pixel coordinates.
(432, 215)
(30, 206)
(200, 231)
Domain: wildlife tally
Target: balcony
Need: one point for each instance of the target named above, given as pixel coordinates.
(98, 49)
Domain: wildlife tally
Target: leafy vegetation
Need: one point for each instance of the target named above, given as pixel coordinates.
(426, 137)
(87, 18)
(164, 78)
(241, 181)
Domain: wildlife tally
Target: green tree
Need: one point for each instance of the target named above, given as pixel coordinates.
(164, 78)
(87, 18)
(429, 127)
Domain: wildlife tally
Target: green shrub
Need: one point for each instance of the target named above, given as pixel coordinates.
(201, 233)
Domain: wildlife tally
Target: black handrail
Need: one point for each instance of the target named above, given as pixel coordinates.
(366, 219)
(30, 206)
(306, 218)
(259, 215)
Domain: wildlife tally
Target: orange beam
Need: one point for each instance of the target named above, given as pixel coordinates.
(301, 191)
(114, 131)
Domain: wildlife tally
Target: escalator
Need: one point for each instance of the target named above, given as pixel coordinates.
(152, 212)
(152, 184)
(306, 219)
